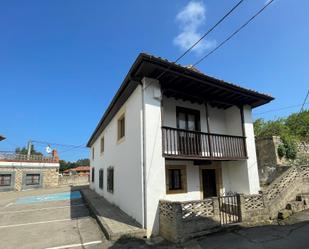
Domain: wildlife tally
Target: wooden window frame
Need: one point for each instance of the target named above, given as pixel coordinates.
(101, 178)
(183, 180)
(121, 131)
(102, 145)
(188, 111)
(110, 180)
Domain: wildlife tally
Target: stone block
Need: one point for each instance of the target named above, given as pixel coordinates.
(284, 214)
(304, 198)
(295, 206)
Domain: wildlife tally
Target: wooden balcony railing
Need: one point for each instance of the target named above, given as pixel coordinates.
(184, 144)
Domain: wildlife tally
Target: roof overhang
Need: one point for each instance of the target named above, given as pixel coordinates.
(2, 137)
(179, 82)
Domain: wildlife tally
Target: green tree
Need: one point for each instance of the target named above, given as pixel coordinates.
(291, 129)
(270, 128)
(64, 165)
(83, 162)
(24, 151)
(298, 125)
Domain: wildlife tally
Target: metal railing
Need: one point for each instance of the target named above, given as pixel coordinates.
(16, 157)
(195, 144)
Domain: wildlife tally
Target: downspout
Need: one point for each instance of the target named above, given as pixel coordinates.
(143, 168)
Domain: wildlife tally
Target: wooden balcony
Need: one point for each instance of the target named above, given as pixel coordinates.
(184, 144)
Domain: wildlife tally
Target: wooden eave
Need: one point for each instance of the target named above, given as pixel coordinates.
(179, 82)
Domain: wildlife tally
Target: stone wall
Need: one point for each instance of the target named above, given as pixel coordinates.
(271, 166)
(262, 208)
(180, 221)
(74, 180)
(49, 176)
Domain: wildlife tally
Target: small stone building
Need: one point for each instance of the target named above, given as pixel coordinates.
(20, 172)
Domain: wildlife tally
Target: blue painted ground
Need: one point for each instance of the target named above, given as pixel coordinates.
(51, 197)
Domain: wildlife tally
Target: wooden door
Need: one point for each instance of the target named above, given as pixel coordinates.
(209, 183)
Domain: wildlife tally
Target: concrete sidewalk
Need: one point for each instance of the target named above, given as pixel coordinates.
(114, 222)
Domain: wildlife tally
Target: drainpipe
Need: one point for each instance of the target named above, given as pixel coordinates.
(143, 168)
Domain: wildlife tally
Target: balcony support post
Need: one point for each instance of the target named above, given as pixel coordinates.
(208, 129)
(241, 108)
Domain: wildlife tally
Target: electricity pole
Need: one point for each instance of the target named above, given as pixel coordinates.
(29, 149)
(302, 107)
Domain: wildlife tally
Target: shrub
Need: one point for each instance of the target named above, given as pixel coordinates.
(288, 148)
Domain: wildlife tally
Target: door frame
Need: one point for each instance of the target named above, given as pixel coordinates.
(218, 171)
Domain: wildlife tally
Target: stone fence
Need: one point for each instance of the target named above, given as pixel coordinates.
(264, 207)
(74, 180)
(179, 221)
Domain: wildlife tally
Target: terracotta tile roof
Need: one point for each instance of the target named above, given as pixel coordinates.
(196, 70)
(136, 72)
(82, 168)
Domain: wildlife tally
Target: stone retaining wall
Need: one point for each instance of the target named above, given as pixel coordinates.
(271, 166)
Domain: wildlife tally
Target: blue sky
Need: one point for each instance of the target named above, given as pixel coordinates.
(62, 61)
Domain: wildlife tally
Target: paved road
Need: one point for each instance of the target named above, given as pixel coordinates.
(293, 236)
(58, 218)
(55, 218)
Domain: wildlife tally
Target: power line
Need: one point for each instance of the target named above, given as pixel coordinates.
(202, 37)
(57, 144)
(302, 107)
(280, 109)
(233, 34)
(74, 148)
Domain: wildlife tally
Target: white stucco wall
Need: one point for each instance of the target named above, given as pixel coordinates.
(125, 157)
(237, 176)
(29, 164)
(155, 163)
(220, 121)
(242, 176)
(193, 182)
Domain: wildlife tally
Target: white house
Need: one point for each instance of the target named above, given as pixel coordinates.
(173, 133)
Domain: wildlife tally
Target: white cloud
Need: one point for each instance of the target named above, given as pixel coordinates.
(190, 18)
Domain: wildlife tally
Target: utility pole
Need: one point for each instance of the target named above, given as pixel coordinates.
(29, 149)
(302, 107)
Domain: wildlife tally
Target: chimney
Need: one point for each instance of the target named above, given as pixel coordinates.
(55, 155)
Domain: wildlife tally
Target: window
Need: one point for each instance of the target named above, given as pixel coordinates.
(102, 145)
(110, 179)
(101, 176)
(188, 119)
(121, 127)
(176, 179)
(92, 174)
(93, 153)
(33, 179)
(5, 180)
